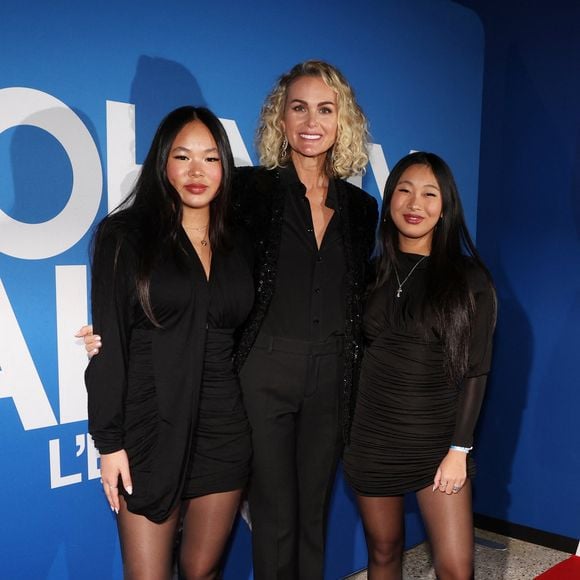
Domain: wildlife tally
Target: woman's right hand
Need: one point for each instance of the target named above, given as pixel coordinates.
(92, 341)
(113, 466)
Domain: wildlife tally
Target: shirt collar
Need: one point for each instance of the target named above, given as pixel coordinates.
(288, 176)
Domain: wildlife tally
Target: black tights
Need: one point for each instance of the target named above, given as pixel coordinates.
(449, 523)
(148, 548)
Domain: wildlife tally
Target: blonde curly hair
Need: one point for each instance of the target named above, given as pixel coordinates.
(348, 155)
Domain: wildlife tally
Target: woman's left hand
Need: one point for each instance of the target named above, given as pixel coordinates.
(92, 341)
(451, 473)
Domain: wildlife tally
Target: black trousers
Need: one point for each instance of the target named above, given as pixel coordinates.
(292, 394)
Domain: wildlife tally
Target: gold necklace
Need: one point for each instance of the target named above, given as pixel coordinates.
(203, 240)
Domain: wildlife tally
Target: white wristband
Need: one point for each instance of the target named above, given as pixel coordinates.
(462, 449)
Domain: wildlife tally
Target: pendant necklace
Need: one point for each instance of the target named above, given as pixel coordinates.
(401, 284)
(203, 240)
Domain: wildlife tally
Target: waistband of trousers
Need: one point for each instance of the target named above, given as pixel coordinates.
(332, 345)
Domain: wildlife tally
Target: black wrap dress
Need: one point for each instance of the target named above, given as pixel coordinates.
(407, 414)
(168, 395)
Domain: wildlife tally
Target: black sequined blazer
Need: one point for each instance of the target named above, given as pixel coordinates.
(259, 200)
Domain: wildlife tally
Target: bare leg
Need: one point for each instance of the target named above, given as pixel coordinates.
(147, 547)
(207, 523)
(449, 523)
(384, 525)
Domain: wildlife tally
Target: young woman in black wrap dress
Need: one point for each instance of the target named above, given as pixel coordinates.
(170, 285)
(428, 327)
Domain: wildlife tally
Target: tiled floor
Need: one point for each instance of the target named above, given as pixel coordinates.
(515, 560)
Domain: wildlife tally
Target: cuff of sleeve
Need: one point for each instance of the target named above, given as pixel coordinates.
(106, 445)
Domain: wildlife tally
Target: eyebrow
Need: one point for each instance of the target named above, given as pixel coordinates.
(318, 104)
(180, 148)
(411, 183)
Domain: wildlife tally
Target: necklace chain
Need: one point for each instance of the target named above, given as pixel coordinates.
(203, 241)
(401, 284)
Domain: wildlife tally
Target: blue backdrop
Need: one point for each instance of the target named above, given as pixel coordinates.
(81, 92)
(529, 233)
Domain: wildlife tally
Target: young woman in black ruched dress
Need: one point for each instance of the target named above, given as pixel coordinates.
(428, 327)
(171, 282)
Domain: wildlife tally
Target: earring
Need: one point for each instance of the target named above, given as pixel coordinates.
(284, 148)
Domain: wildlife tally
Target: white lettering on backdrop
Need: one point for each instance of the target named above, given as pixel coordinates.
(19, 379)
(21, 106)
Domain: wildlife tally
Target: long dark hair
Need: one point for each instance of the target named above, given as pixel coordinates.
(153, 209)
(448, 294)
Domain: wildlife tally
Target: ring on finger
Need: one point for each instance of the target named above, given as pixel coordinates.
(456, 488)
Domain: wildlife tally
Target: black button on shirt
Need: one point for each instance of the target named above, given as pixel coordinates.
(310, 294)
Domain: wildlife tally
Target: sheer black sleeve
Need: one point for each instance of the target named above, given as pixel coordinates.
(472, 389)
(468, 408)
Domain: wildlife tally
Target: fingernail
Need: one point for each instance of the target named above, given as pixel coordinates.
(116, 510)
(129, 489)
(112, 509)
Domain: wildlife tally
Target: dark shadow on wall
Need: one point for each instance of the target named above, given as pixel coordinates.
(507, 246)
(575, 186)
(505, 403)
(41, 170)
(556, 437)
(42, 193)
(159, 86)
(530, 170)
(499, 427)
(529, 220)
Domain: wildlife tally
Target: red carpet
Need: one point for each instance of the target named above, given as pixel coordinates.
(567, 570)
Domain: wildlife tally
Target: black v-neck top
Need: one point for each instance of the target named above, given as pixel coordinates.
(144, 387)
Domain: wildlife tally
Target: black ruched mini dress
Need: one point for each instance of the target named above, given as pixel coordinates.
(221, 447)
(406, 411)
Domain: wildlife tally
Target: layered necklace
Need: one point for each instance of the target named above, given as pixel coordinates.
(401, 284)
(203, 240)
